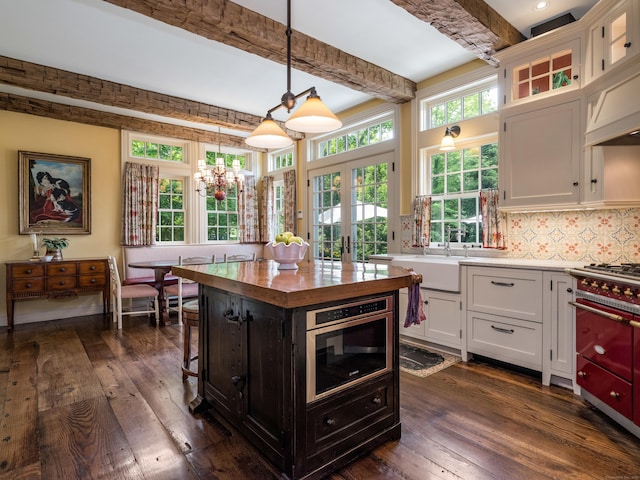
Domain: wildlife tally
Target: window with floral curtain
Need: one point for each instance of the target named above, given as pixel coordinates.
(494, 225)
(421, 220)
(139, 204)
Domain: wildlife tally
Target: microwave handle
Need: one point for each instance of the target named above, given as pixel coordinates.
(610, 316)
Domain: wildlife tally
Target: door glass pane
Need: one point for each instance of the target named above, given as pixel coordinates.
(369, 211)
(326, 214)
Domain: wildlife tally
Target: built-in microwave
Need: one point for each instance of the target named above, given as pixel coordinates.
(348, 344)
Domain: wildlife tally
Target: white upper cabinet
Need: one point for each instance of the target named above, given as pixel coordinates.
(540, 152)
(611, 38)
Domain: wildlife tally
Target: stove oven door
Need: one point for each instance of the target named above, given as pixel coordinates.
(604, 344)
(636, 370)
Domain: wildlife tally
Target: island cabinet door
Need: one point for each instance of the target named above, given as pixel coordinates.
(224, 364)
(268, 377)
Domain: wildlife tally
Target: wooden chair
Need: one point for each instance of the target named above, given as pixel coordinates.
(191, 319)
(249, 257)
(130, 292)
(184, 289)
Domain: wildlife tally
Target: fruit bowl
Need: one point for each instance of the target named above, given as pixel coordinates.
(289, 255)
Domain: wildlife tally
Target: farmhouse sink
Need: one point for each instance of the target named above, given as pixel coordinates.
(438, 273)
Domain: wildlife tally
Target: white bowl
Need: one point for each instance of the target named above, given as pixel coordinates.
(287, 255)
(45, 258)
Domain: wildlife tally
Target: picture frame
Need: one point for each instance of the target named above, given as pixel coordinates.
(55, 195)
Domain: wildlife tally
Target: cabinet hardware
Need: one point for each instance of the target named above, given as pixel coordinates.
(426, 302)
(627, 45)
(376, 400)
(510, 331)
(230, 317)
(633, 323)
(569, 290)
(575, 184)
(92, 267)
(61, 282)
(576, 77)
(615, 395)
(582, 374)
(594, 180)
(329, 422)
(28, 271)
(610, 316)
(502, 284)
(93, 280)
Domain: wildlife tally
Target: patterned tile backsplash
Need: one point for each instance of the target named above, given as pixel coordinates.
(588, 235)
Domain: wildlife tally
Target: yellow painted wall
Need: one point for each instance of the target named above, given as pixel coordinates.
(102, 146)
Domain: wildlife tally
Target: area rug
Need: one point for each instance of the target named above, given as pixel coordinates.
(421, 362)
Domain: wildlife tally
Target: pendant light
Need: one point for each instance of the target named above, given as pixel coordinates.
(312, 117)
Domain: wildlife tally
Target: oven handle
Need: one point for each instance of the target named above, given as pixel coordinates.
(610, 316)
(633, 323)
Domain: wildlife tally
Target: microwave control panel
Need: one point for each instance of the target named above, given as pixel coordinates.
(339, 313)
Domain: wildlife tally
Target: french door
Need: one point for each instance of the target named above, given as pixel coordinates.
(349, 204)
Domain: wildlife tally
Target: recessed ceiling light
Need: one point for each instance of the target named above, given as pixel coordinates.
(541, 5)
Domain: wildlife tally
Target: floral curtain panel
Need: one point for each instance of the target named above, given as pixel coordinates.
(268, 212)
(494, 223)
(139, 204)
(421, 220)
(290, 201)
(248, 209)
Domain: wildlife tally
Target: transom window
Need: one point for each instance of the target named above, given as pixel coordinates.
(455, 179)
(473, 101)
(157, 151)
(281, 160)
(359, 137)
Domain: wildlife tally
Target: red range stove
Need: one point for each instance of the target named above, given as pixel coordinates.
(608, 339)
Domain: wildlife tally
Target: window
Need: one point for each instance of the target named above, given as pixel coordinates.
(222, 216)
(278, 218)
(184, 216)
(361, 136)
(475, 100)
(281, 160)
(455, 179)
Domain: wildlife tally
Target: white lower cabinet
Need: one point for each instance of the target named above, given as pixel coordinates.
(443, 325)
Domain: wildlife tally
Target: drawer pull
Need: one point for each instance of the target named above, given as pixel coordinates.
(92, 267)
(503, 330)
(62, 269)
(28, 271)
(376, 400)
(61, 282)
(93, 280)
(28, 285)
(582, 374)
(633, 323)
(615, 395)
(329, 422)
(502, 284)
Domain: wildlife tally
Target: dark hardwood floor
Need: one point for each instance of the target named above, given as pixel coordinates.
(81, 400)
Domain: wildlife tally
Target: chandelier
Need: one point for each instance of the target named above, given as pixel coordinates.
(214, 181)
(312, 117)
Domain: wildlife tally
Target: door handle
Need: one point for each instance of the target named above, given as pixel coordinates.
(348, 244)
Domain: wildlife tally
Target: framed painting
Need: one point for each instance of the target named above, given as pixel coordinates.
(54, 193)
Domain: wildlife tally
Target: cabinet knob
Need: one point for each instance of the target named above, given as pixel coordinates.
(93, 280)
(63, 269)
(627, 45)
(575, 77)
(28, 285)
(92, 267)
(582, 374)
(594, 180)
(569, 290)
(615, 395)
(329, 422)
(28, 271)
(575, 184)
(376, 400)
(61, 282)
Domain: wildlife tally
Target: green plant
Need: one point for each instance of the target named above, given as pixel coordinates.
(55, 243)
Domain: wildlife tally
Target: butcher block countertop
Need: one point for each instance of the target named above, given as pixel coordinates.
(312, 283)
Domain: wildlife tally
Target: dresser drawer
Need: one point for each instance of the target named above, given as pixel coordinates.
(357, 412)
(27, 270)
(609, 388)
(91, 280)
(92, 267)
(24, 285)
(505, 291)
(61, 268)
(60, 282)
(506, 339)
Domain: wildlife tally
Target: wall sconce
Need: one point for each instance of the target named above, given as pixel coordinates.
(447, 143)
(312, 117)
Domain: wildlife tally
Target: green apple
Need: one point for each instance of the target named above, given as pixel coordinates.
(280, 238)
(297, 240)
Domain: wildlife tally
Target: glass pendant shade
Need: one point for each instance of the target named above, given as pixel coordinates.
(268, 135)
(447, 143)
(313, 116)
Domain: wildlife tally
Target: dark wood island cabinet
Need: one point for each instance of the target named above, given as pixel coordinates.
(303, 363)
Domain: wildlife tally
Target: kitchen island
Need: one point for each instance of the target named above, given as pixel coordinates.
(304, 363)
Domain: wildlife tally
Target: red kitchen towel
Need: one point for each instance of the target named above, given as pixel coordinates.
(415, 313)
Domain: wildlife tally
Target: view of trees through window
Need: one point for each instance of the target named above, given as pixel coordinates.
(171, 224)
(446, 111)
(156, 150)
(362, 137)
(455, 180)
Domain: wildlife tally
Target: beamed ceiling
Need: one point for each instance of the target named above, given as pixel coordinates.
(39, 83)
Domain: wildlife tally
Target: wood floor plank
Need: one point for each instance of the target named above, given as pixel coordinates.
(85, 440)
(19, 400)
(115, 407)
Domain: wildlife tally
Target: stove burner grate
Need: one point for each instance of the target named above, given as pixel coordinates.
(629, 269)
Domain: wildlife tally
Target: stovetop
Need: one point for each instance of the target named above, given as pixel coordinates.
(625, 269)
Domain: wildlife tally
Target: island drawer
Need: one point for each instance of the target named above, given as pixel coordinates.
(347, 419)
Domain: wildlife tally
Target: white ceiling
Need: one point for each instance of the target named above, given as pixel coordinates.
(96, 38)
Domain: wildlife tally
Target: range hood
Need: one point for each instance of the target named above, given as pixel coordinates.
(615, 117)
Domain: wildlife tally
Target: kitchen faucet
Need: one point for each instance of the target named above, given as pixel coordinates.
(447, 238)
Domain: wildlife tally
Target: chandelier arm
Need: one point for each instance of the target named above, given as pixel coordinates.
(311, 91)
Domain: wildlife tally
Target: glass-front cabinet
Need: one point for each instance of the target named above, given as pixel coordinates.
(610, 40)
(545, 73)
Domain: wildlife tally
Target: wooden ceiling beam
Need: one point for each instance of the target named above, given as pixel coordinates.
(229, 23)
(471, 23)
(70, 113)
(40, 78)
